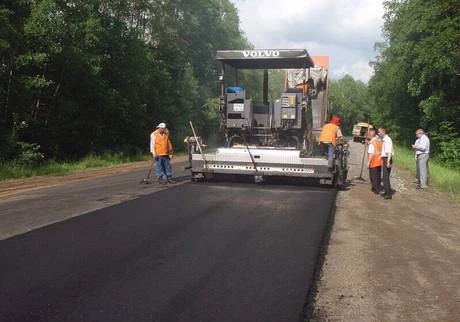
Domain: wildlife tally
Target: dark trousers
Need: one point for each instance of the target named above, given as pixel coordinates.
(386, 171)
(375, 175)
(329, 152)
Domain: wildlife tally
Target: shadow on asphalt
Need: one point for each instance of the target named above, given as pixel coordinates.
(282, 181)
(181, 178)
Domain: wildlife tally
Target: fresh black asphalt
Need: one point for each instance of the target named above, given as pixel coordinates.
(195, 252)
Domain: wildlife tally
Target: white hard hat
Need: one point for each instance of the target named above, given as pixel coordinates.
(161, 125)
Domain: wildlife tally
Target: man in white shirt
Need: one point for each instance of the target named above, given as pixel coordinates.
(387, 161)
(422, 152)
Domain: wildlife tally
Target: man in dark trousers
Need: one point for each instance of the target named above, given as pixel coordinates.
(387, 161)
(374, 151)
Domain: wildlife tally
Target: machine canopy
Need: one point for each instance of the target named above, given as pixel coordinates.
(266, 58)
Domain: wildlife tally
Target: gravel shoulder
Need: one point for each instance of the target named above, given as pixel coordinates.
(391, 260)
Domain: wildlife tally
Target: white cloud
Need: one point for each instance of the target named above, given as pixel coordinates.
(346, 30)
(359, 71)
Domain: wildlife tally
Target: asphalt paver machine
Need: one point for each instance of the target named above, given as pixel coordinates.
(276, 138)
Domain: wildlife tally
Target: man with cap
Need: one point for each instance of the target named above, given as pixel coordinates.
(162, 151)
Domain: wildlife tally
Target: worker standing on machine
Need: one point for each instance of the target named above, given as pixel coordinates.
(330, 135)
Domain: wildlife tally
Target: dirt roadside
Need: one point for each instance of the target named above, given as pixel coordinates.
(391, 260)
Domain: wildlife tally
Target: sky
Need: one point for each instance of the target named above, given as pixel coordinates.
(345, 30)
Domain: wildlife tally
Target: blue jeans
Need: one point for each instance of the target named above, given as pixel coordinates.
(329, 150)
(163, 167)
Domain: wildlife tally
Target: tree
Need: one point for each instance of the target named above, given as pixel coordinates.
(416, 79)
(349, 99)
(81, 77)
(12, 15)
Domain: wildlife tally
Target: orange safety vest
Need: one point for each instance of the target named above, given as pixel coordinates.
(375, 159)
(162, 144)
(329, 133)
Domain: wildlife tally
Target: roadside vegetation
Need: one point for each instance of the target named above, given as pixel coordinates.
(442, 177)
(80, 78)
(415, 85)
(17, 170)
(416, 79)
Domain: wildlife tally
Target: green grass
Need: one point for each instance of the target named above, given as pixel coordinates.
(12, 170)
(446, 179)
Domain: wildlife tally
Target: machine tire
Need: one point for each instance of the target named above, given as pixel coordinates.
(340, 180)
(341, 171)
(334, 181)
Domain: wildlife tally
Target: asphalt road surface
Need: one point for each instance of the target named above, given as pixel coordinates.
(191, 252)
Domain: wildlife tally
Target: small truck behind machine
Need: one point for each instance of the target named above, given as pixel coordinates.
(276, 138)
(360, 131)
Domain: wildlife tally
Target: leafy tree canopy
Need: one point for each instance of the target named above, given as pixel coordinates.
(81, 77)
(416, 81)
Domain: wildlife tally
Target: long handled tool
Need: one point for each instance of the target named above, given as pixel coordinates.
(257, 177)
(199, 145)
(146, 180)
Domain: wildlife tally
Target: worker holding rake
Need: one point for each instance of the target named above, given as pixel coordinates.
(162, 151)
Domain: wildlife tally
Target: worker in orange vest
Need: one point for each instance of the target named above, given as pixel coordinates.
(330, 135)
(374, 152)
(162, 152)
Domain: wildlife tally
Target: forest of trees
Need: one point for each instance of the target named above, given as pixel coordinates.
(90, 76)
(80, 77)
(416, 79)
